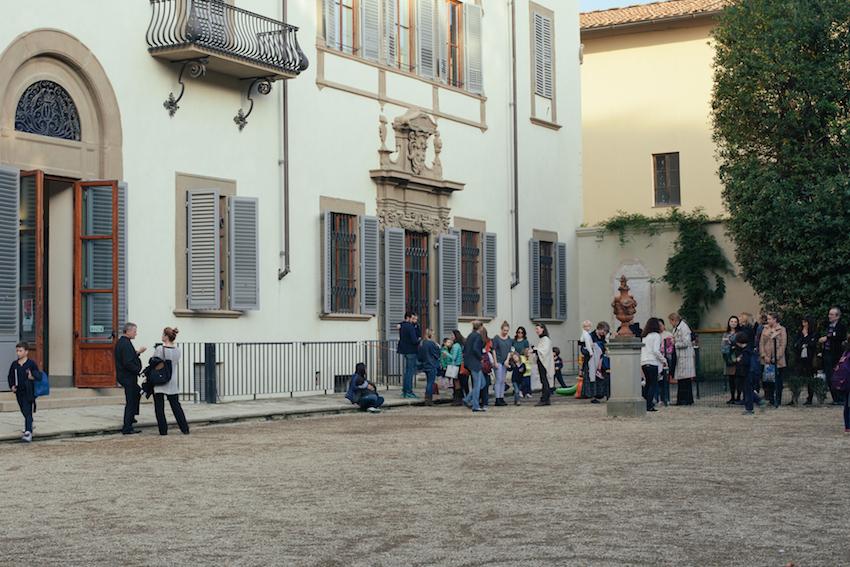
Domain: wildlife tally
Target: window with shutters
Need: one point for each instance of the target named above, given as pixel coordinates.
(343, 251)
(543, 83)
(341, 18)
(547, 283)
(470, 259)
(404, 36)
(666, 174)
(350, 269)
(417, 298)
(455, 35)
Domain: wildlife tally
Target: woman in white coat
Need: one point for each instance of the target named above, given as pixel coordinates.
(685, 372)
(171, 389)
(545, 363)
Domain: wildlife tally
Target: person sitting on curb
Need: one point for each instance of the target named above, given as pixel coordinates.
(362, 392)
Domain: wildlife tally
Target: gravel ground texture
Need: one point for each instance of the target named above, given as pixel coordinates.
(527, 486)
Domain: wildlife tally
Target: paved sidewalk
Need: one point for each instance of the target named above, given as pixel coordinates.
(103, 420)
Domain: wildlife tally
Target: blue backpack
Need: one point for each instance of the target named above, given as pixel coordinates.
(42, 385)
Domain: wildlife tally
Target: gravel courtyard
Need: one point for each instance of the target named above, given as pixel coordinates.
(524, 486)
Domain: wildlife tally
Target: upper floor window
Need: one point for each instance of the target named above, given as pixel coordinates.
(666, 175)
(543, 64)
(349, 264)
(436, 39)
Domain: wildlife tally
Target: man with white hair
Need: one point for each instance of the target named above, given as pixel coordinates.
(128, 365)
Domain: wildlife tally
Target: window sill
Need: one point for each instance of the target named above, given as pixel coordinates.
(545, 123)
(211, 314)
(549, 321)
(469, 319)
(320, 46)
(345, 317)
(666, 205)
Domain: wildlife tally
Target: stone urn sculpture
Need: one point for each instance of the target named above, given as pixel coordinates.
(625, 308)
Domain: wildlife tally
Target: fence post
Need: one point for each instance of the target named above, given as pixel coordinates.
(210, 373)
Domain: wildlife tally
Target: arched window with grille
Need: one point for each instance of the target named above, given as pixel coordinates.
(45, 108)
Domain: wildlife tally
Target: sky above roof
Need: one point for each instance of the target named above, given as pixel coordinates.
(588, 5)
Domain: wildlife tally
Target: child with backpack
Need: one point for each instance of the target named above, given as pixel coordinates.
(22, 376)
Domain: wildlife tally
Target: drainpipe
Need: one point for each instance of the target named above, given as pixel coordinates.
(515, 188)
(283, 163)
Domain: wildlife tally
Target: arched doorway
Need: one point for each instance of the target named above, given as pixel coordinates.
(59, 125)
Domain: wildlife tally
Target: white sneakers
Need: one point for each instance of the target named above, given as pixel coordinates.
(27, 437)
(373, 410)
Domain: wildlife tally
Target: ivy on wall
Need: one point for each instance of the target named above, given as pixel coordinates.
(697, 267)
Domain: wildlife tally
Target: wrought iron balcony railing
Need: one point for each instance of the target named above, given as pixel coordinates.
(235, 41)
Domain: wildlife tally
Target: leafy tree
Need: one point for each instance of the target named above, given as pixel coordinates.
(781, 109)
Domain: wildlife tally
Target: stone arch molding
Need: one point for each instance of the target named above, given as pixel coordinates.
(55, 55)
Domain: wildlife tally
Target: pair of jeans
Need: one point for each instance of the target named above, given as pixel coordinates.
(501, 372)
(846, 411)
(526, 385)
(650, 374)
(370, 400)
(559, 377)
(26, 409)
(485, 391)
(176, 409)
(664, 388)
(472, 398)
(430, 378)
(132, 396)
(778, 386)
(750, 395)
(517, 384)
(410, 363)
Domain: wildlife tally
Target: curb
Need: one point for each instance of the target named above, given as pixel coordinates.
(202, 422)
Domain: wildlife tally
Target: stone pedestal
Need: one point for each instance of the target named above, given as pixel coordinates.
(626, 399)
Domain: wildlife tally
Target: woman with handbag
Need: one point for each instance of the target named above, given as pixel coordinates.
(736, 391)
(774, 340)
(805, 351)
(171, 389)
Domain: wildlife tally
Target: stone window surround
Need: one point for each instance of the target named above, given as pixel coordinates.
(533, 8)
(185, 182)
(358, 209)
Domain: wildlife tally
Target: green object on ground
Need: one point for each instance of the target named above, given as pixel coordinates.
(571, 391)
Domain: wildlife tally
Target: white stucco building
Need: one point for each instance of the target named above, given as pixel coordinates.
(377, 170)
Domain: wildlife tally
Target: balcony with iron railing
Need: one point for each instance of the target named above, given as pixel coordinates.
(231, 40)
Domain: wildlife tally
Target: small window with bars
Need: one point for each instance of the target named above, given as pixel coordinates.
(666, 174)
(343, 262)
(470, 260)
(547, 288)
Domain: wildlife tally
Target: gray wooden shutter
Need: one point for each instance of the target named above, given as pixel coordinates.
(97, 208)
(473, 47)
(331, 16)
(490, 278)
(543, 71)
(425, 28)
(122, 255)
(443, 40)
(327, 258)
(561, 280)
(370, 29)
(457, 233)
(394, 293)
(203, 258)
(390, 46)
(10, 191)
(534, 279)
(449, 283)
(369, 243)
(244, 253)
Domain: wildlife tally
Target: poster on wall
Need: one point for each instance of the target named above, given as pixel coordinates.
(27, 315)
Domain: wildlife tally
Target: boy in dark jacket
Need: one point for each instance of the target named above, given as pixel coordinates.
(429, 359)
(22, 376)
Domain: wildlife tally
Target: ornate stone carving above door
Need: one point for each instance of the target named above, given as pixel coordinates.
(412, 194)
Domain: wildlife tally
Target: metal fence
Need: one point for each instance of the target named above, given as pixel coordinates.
(211, 372)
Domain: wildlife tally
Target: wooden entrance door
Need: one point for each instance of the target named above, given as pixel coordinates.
(95, 282)
(31, 264)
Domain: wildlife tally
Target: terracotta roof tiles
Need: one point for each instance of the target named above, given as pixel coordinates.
(649, 12)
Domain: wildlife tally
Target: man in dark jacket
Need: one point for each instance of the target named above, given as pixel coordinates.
(128, 365)
(408, 346)
(833, 341)
(473, 350)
